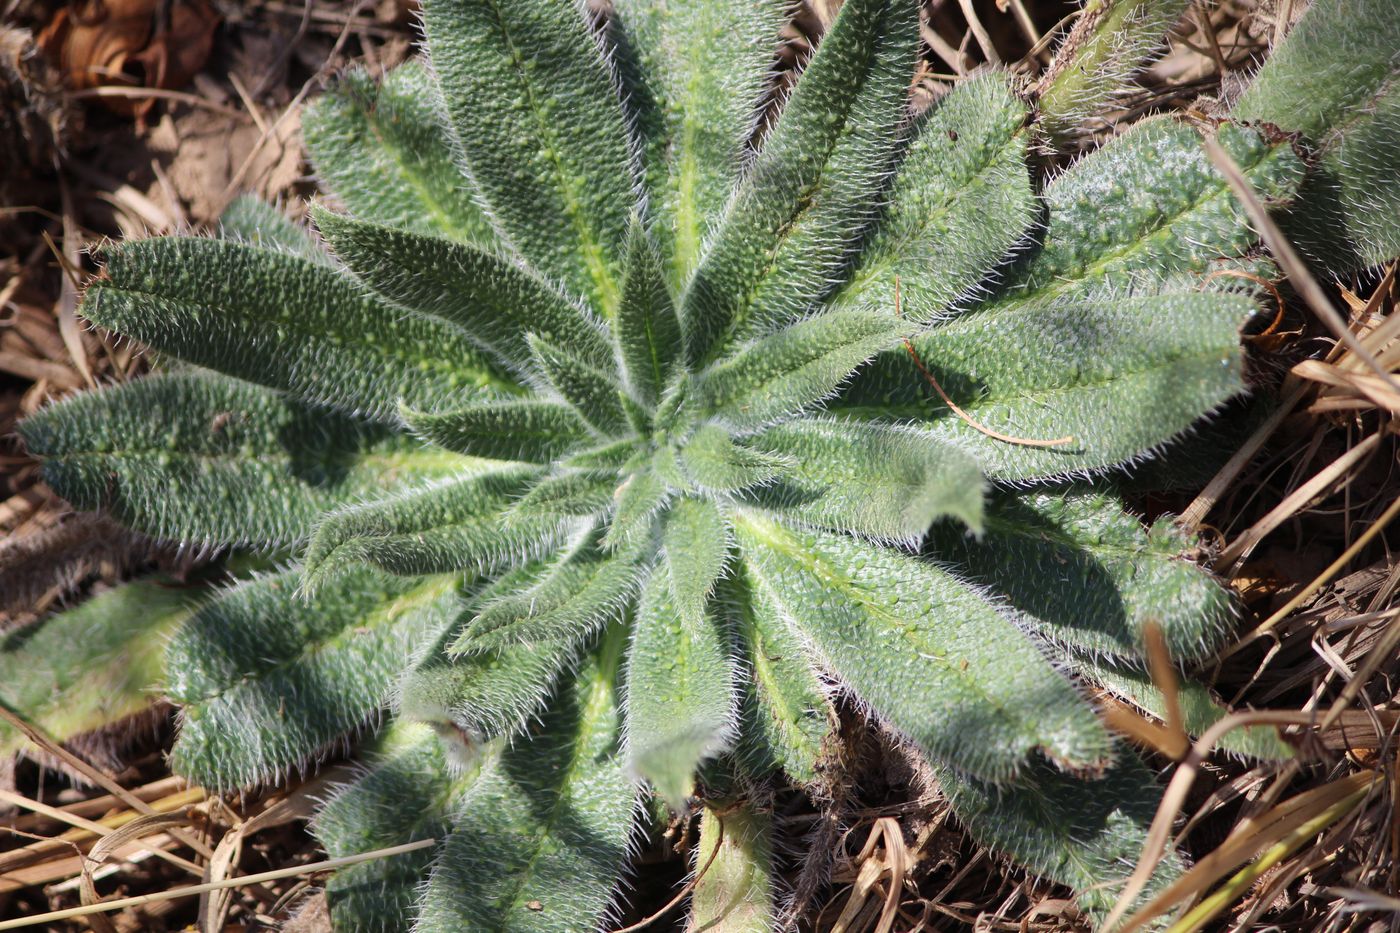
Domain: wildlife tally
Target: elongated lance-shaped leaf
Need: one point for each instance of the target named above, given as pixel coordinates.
(536, 109)
(1111, 575)
(880, 481)
(539, 842)
(796, 215)
(575, 494)
(1148, 204)
(530, 430)
(959, 203)
(1100, 379)
(926, 651)
(1199, 708)
(713, 461)
(385, 151)
(695, 71)
(735, 894)
(199, 457)
(592, 391)
(695, 538)
(1086, 835)
(786, 721)
(268, 680)
(647, 330)
(1093, 66)
(1336, 80)
(581, 593)
(406, 762)
(681, 691)
(249, 219)
(495, 301)
(86, 669)
(451, 525)
(638, 500)
(287, 323)
(795, 368)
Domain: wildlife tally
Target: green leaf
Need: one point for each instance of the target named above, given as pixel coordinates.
(494, 301)
(592, 391)
(795, 217)
(1112, 576)
(91, 668)
(249, 219)
(1336, 80)
(529, 430)
(735, 894)
(695, 538)
(385, 150)
(1117, 373)
(576, 494)
(960, 202)
(648, 332)
(699, 68)
(927, 652)
(542, 131)
(680, 691)
(539, 842)
(198, 457)
(453, 525)
(1091, 72)
(268, 680)
(284, 322)
(405, 762)
(640, 497)
(786, 723)
(714, 462)
(795, 368)
(1086, 835)
(880, 481)
(585, 590)
(1199, 708)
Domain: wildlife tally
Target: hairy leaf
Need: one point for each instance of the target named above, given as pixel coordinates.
(925, 650)
(680, 691)
(592, 391)
(1111, 576)
(881, 481)
(385, 150)
(648, 331)
(795, 217)
(960, 201)
(84, 670)
(284, 322)
(538, 842)
(199, 457)
(268, 680)
(529, 430)
(536, 111)
(735, 894)
(249, 219)
(640, 497)
(713, 461)
(695, 541)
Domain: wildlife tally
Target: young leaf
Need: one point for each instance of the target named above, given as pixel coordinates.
(284, 322)
(925, 650)
(640, 497)
(539, 841)
(695, 540)
(86, 669)
(537, 114)
(529, 430)
(735, 894)
(249, 219)
(1106, 378)
(268, 680)
(385, 150)
(592, 391)
(496, 302)
(960, 201)
(794, 368)
(1112, 576)
(795, 217)
(680, 692)
(406, 762)
(577, 494)
(1083, 834)
(453, 525)
(714, 462)
(194, 457)
(648, 332)
(880, 481)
